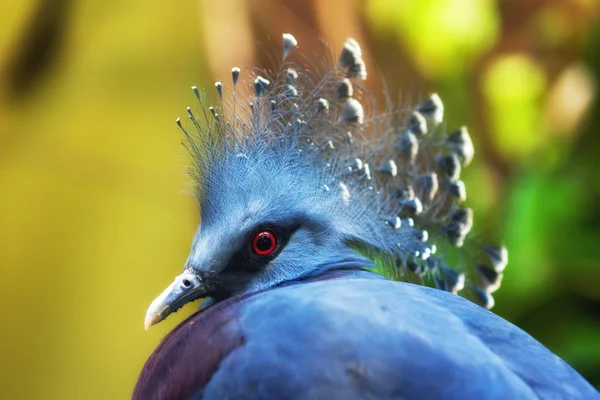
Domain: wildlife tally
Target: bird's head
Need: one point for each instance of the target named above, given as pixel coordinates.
(267, 219)
(294, 181)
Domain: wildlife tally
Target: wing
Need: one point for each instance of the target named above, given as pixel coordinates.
(354, 339)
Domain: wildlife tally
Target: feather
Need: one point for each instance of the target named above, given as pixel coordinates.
(321, 124)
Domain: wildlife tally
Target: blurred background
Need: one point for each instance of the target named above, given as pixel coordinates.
(95, 215)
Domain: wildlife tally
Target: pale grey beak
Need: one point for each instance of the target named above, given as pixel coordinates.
(187, 287)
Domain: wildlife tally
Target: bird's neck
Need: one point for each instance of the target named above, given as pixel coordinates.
(335, 273)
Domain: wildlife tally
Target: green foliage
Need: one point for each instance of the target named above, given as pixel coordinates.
(443, 36)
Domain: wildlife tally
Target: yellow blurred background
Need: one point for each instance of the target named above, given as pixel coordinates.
(95, 215)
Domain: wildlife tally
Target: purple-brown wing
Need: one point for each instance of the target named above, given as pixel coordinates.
(173, 371)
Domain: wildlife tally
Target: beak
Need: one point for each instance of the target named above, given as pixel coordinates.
(187, 287)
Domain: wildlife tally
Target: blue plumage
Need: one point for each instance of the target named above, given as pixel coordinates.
(304, 191)
(359, 337)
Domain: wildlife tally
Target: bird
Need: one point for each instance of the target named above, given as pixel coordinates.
(334, 253)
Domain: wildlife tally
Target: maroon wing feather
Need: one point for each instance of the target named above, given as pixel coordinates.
(188, 356)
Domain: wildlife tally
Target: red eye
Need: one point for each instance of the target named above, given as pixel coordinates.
(264, 243)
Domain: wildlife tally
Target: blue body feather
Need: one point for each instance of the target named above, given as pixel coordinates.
(358, 337)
